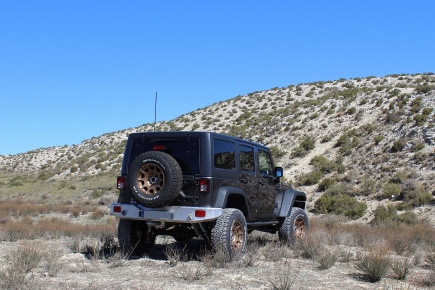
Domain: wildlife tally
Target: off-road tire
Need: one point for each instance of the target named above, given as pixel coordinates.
(230, 234)
(133, 238)
(155, 179)
(294, 226)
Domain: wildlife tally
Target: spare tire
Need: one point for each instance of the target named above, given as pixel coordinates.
(155, 179)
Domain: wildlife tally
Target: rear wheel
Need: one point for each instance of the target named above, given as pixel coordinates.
(230, 234)
(133, 238)
(294, 227)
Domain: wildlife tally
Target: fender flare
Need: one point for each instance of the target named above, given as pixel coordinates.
(221, 197)
(285, 200)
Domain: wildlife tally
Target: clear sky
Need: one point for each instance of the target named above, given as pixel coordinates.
(72, 70)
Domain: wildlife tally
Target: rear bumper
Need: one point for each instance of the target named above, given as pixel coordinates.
(177, 214)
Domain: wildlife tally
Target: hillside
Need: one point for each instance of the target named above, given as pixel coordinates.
(368, 138)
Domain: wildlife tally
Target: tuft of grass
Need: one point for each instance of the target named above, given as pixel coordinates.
(375, 264)
(310, 246)
(275, 252)
(326, 258)
(193, 272)
(286, 278)
(401, 269)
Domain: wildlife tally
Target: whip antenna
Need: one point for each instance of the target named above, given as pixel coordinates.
(155, 112)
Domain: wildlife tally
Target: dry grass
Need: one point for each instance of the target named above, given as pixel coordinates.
(50, 228)
(331, 242)
(375, 264)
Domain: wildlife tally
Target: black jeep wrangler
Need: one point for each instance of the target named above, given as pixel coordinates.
(189, 184)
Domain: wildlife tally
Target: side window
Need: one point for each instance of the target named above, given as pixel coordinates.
(265, 162)
(224, 154)
(247, 159)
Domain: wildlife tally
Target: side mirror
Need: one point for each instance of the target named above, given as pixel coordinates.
(279, 172)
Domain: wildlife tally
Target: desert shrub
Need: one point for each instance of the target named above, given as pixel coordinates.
(368, 186)
(340, 204)
(275, 252)
(418, 146)
(351, 111)
(417, 198)
(393, 117)
(347, 142)
(427, 111)
(98, 214)
(16, 181)
(375, 264)
(299, 152)
(308, 143)
(322, 163)
(342, 188)
(326, 183)
(276, 152)
(416, 104)
(310, 178)
(408, 218)
(401, 268)
(26, 257)
(430, 260)
(327, 258)
(286, 278)
(193, 272)
(384, 214)
(398, 145)
(420, 119)
(378, 139)
(424, 88)
(310, 246)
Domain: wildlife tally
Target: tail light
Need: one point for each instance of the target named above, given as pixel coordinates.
(120, 182)
(204, 185)
(159, 147)
(200, 213)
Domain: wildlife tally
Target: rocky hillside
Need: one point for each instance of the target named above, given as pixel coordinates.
(369, 138)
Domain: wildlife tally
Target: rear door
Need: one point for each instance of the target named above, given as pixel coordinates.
(266, 183)
(248, 177)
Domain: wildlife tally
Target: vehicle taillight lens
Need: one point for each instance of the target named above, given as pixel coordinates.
(117, 208)
(200, 213)
(203, 185)
(159, 147)
(120, 182)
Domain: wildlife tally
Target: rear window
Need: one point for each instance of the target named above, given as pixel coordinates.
(184, 150)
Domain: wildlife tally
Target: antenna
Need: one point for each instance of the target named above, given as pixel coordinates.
(155, 112)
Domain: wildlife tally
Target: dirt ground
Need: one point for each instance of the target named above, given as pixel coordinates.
(160, 270)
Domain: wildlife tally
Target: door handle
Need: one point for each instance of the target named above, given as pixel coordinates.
(244, 180)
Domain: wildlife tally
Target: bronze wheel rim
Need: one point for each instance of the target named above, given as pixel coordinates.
(237, 238)
(299, 228)
(151, 178)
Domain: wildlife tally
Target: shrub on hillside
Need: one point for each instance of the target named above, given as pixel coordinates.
(310, 178)
(347, 142)
(340, 204)
(326, 183)
(276, 152)
(398, 145)
(322, 164)
(420, 119)
(391, 190)
(307, 144)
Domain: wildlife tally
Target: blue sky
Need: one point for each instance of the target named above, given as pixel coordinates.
(72, 70)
